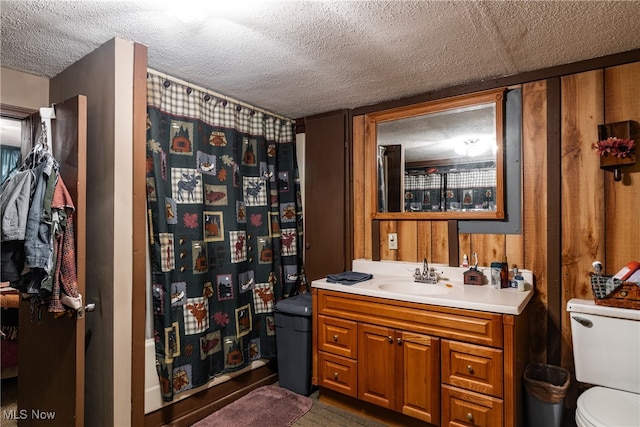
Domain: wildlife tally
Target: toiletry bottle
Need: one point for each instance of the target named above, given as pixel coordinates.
(504, 273)
(520, 282)
(626, 271)
(465, 261)
(512, 279)
(635, 277)
(496, 268)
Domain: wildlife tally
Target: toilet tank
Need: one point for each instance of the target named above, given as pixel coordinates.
(606, 345)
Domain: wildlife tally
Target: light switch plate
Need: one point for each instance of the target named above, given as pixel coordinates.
(393, 240)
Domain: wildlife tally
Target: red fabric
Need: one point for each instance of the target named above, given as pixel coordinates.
(9, 353)
(65, 274)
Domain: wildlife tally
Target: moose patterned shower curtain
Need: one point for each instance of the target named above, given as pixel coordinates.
(225, 227)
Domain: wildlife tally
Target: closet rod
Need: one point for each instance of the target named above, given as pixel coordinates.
(216, 94)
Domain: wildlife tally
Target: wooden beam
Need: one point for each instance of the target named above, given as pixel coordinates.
(454, 248)
(554, 208)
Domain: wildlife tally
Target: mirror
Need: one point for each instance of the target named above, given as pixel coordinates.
(439, 159)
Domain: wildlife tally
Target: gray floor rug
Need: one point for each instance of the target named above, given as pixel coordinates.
(267, 406)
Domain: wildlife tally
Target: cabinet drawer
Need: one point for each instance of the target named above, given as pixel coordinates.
(338, 336)
(456, 324)
(338, 373)
(462, 407)
(472, 367)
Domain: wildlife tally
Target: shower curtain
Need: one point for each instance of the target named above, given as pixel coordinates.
(225, 227)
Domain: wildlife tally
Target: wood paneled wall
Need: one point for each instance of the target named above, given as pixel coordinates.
(582, 189)
(573, 212)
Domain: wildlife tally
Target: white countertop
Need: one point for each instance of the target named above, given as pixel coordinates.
(448, 292)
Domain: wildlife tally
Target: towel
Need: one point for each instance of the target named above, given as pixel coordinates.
(349, 277)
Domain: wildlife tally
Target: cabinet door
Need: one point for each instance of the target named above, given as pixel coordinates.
(327, 230)
(421, 377)
(376, 365)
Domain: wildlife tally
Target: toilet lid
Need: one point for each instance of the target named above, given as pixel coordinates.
(601, 406)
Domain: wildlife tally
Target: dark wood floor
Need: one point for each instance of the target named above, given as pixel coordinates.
(322, 415)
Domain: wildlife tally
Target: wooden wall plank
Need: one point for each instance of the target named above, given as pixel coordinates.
(358, 190)
(464, 248)
(439, 242)
(582, 190)
(534, 155)
(514, 248)
(424, 240)
(407, 240)
(622, 199)
(489, 247)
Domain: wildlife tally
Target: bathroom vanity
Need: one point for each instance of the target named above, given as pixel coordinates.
(445, 353)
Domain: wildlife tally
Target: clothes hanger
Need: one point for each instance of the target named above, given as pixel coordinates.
(46, 115)
(42, 148)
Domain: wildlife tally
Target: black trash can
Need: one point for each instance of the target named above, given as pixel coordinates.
(546, 386)
(293, 343)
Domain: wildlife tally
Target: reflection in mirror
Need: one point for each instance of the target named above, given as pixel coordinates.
(443, 157)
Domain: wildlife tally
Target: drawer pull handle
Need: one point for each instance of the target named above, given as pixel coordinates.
(399, 341)
(335, 375)
(390, 338)
(335, 338)
(470, 417)
(470, 369)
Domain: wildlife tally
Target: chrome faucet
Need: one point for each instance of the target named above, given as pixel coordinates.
(427, 275)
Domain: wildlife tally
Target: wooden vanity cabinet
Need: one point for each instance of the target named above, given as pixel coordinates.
(398, 370)
(445, 366)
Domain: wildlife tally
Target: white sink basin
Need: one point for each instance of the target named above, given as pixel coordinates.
(411, 288)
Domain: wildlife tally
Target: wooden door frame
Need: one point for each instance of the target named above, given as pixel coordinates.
(139, 243)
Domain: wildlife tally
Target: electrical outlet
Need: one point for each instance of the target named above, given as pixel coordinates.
(393, 240)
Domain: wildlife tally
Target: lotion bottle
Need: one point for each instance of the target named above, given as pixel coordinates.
(518, 279)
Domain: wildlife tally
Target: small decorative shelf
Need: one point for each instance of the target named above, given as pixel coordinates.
(627, 130)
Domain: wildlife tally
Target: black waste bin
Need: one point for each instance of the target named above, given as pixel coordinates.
(546, 387)
(293, 341)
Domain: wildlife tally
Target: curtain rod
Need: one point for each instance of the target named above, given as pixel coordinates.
(216, 94)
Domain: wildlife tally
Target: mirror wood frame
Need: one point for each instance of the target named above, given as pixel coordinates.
(372, 120)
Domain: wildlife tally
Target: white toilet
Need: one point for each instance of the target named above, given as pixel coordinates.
(606, 351)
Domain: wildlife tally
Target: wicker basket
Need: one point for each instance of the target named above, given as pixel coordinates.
(615, 293)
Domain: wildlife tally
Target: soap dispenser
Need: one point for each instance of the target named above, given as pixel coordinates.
(504, 273)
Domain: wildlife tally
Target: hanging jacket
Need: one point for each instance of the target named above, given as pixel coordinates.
(15, 201)
(38, 246)
(65, 276)
(14, 204)
(28, 261)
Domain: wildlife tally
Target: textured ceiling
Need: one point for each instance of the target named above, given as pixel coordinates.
(299, 58)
